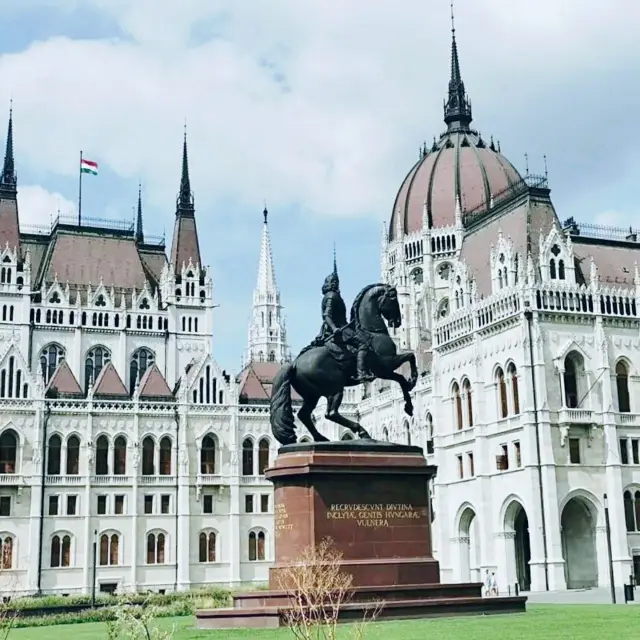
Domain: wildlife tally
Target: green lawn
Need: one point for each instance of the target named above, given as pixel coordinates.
(551, 622)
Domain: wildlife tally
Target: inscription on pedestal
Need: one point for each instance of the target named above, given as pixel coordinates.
(282, 518)
(376, 516)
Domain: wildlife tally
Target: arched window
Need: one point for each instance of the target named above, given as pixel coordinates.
(256, 546)
(466, 389)
(513, 381)
(629, 511)
(95, 360)
(102, 456)
(60, 551)
(385, 434)
(141, 360)
(73, 456)
(148, 457)
(561, 275)
(207, 547)
(247, 457)
(120, 456)
(622, 387)
(572, 368)
(8, 451)
(457, 400)
(54, 455)
(109, 548)
(208, 456)
(263, 455)
(407, 432)
(50, 357)
(155, 548)
(429, 421)
(165, 456)
(6, 548)
(552, 269)
(502, 393)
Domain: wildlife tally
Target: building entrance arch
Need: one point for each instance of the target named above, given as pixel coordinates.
(578, 522)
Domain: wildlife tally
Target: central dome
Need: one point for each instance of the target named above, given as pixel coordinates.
(460, 166)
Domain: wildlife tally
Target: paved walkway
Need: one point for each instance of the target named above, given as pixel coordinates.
(600, 595)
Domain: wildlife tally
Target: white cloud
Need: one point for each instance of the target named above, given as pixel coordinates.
(317, 103)
(39, 207)
(613, 218)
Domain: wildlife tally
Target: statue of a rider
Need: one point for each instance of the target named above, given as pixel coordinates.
(334, 324)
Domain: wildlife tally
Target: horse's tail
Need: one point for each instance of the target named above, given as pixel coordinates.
(281, 414)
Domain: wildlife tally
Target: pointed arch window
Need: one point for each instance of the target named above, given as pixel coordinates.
(429, 421)
(247, 457)
(141, 360)
(54, 455)
(96, 359)
(165, 456)
(457, 400)
(572, 368)
(6, 547)
(120, 456)
(148, 457)
(622, 387)
(466, 388)
(629, 511)
(502, 393)
(50, 358)
(102, 456)
(263, 456)
(208, 456)
(8, 451)
(207, 547)
(73, 456)
(512, 372)
(552, 269)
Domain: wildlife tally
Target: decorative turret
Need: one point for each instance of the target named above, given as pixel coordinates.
(139, 231)
(9, 222)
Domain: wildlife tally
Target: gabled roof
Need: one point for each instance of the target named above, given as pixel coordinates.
(109, 384)
(256, 380)
(153, 384)
(63, 383)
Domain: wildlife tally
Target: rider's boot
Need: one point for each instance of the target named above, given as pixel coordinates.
(363, 374)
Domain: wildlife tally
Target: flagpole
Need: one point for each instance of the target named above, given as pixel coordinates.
(80, 193)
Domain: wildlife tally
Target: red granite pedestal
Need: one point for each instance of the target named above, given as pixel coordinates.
(372, 500)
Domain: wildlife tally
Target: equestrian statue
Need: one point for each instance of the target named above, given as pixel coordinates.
(344, 354)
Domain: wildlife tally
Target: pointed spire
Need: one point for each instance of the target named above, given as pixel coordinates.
(457, 109)
(266, 274)
(8, 178)
(185, 198)
(139, 231)
(335, 262)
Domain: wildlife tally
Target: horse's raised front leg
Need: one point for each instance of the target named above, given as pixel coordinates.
(333, 404)
(410, 357)
(404, 386)
(305, 415)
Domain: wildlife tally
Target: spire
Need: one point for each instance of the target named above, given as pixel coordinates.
(139, 232)
(267, 339)
(335, 262)
(185, 198)
(8, 179)
(457, 109)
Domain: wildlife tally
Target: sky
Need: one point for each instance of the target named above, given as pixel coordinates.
(317, 108)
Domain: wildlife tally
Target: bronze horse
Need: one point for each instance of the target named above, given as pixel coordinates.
(316, 373)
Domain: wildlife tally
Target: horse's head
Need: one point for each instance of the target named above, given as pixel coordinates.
(389, 306)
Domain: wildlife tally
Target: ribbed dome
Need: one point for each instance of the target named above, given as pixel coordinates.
(460, 165)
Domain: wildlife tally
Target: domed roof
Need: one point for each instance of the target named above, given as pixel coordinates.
(460, 166)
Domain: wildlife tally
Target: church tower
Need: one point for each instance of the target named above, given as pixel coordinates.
(267, 340)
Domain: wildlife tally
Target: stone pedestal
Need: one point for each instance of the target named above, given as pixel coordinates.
(372, 500)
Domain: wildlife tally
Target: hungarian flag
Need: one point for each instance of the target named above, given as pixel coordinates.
(88, 166)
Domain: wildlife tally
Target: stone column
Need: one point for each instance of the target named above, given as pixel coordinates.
(237, 543)
(184, 530)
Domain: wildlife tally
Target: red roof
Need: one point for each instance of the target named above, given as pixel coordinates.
(63, 382)
(153, 384)
(256, 380)
(109, 383)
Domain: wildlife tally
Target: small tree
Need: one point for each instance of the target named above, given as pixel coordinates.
(318, 589)
(136, 623)
(8, 614)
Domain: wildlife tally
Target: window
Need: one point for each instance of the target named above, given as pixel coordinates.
(96, 359)
(207, 503)
(8, 451)
(634, 451)
(118, 505)
(516, 448)
(429, 421)
(632, 510)
(264, 503)
(624, 451)
(572, 366)
(513, 380)
(102, 505)
(73, 456)
(141, 360)
(120, 456)
(207, 547)
(50, 357)
(457, 399)
(472, 470)
(256, 546)
(6, 546)
(54, 455)
(502, 459)
(53, 505)
(460, 467)
(247, 457)
(5, 506)
(155, 548)
(466, 388)
(165, 456)
(148, 456)
(502, 394)
(574, 450)
(60, 551)
(165, 502)
(72, 503)
(263, 455)
(622, 387)
(208, 455)
(109, 547)
(148, 504)
(102, 456)
(248, 504)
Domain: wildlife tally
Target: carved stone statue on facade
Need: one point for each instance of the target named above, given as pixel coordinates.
(330, 364)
